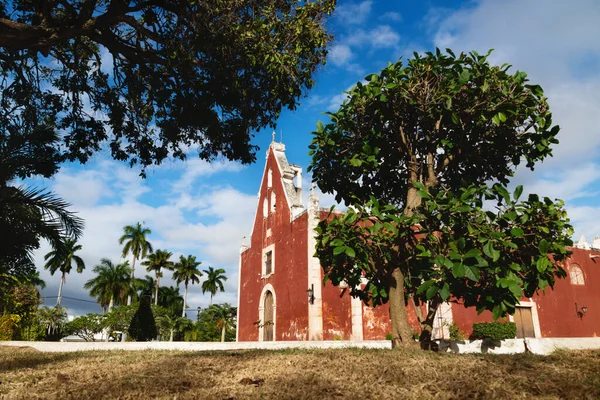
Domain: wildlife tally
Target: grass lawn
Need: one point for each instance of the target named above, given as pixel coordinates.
(297, 374)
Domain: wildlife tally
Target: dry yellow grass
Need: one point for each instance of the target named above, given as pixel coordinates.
(297, 374)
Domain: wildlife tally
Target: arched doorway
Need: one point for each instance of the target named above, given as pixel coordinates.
(267, 314)
(268, 323)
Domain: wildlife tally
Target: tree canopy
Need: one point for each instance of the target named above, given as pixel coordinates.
(414, 152)
(150, 79)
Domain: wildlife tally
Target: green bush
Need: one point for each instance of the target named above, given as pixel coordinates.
(455, 332)
(494, 330)
(143, 327)
(8, 326)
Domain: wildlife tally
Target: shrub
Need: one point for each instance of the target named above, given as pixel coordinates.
(8, 326)
(494, 330)
(455, 332)
(143, 327)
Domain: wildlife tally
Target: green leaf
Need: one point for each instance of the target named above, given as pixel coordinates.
(542, 263)
(432, 291)
(543, 247)
(424, 286)
(491, 252)
(339, 250)
(350, 252)
(517, 192)
(517, 232)
(502, 116)
(515, 289)
(458, 270)
(472, 273)
(445, 292)
(472, 253)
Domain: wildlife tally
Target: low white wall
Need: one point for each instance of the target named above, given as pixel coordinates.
(197, 346)
(542, 346)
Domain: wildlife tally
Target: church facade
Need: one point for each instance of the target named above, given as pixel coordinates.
(281, 295)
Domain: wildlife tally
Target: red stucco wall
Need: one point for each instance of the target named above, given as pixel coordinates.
(556, 310)
(557, 314)
(337, 313)
(291, 275)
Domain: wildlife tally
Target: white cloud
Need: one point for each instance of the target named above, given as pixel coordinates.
(382, 36)
(353, 13)
(196, 168)
(391, 16)
(340, 54)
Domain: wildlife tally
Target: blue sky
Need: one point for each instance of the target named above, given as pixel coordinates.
(204, 210)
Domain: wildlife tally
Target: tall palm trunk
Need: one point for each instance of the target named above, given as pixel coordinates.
(184, 300)
(62, 280)
(156, 293)
(211, 295)
(132, 276)
(223, 333)
(111, 303)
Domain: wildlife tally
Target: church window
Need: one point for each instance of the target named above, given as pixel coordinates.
(270, 178)
(268, 261)
(273, 205)
(265, 208)
(576, 275)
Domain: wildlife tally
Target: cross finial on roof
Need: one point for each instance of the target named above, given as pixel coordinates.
(312, 188)
(273, 137)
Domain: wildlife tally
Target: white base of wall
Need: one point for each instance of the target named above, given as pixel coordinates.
(197, 346)
(543, 346)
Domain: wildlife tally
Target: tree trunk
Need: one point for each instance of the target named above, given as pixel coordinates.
(184, 300)
(132, 276)
(156, 293)
(172, 332)
(427, 327)
(59, 298)
(402, 334)
(211, 295)
(223, 333)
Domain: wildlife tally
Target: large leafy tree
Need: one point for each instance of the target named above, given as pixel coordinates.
(447, 125)
(134, 238)
(157, 262)
(111, 283)
(214, 281)
(186, 271)
(150, 78)
(62, 259)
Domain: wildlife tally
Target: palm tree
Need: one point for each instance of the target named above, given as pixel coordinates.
(30, 215)
(156, 262)
(61, 259)
(135, 241)
(111, 283)
(53, 318)
(224, 315)
(186, 271)
(214, 281)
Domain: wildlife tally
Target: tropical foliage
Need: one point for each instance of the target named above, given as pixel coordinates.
(186, 271)
(111, 283)
(134, 238)
(214, 281)
(157, 262)
(62, 259)
(411, 151)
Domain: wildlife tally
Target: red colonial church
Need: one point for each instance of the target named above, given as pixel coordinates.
(281, 295)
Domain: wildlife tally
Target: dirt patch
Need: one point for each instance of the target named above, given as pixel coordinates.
(298, 374)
